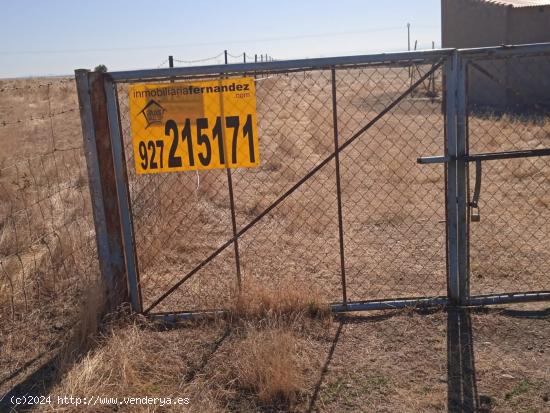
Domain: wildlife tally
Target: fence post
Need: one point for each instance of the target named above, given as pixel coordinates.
(171, 65)
(338, 189)
(102, 183)
(456, 208)
(451, 94)
(462, 186)
(233, 214)
(123, 193)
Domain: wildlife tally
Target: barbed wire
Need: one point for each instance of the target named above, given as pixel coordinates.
(162, 64)
(39, 86)
(199, 60)
(44, 116)
(249, 57)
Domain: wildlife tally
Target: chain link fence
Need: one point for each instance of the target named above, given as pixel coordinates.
(509, 109)
(340, 203)
(392, 210)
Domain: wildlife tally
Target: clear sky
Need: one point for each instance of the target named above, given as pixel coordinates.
(54, 37)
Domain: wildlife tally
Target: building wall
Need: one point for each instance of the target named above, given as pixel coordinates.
(529, 78)
(475, 23)
(472, 23)
(529, 25)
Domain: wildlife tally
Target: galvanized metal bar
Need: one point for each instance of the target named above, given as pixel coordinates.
(123, 195)
(487, 156)
(491, 156)
(176, 316)
(505, 51)
(508, 298)
(451, 79)
(378, 305)
(390, 304)
(425, 160)
(303, 64)
(338, 188)
(231, 197)
(234, 228)
(292, 189)
(462, 181)
(101, 170)
(371, 305)
(446, 179)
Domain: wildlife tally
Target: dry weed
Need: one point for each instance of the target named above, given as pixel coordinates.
(288, 301)
(137, 361)
(269, 365)
(262, 357)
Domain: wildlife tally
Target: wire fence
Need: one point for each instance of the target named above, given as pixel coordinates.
(509, 109)
(221, 58)
(370, 224)
(386, 199)
(48, 254)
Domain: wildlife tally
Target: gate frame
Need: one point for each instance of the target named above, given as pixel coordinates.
(458, 159)
(467, 56)
(108, 178)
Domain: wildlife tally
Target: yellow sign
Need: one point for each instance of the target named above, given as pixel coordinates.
(185, 126)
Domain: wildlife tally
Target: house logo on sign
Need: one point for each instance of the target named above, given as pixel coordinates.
(152, 112)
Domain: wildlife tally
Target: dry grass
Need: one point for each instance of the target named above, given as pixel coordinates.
(263, 360)
(265, 363)
(289, 301)
(382, 363)
(48, 262)
(93, 308)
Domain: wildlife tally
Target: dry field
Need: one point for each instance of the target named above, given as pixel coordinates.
(279, 351)
(47, 244)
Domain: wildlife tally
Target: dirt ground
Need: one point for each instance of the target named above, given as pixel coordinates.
(364, 362)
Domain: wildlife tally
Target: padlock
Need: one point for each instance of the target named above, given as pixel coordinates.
(475, 217)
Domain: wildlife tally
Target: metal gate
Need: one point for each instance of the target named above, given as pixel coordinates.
(508, 144)
(345, 202)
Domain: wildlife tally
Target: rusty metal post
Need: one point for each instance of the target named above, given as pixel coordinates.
(338, 188)
(233, 212)
(102, 182)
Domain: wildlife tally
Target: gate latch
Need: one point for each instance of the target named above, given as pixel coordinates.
(474, 204)
(478, 158)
